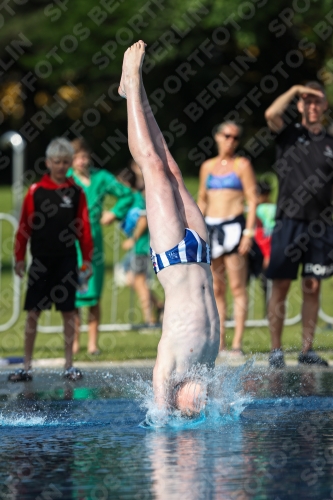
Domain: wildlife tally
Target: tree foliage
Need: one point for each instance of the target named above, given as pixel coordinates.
(72, 53)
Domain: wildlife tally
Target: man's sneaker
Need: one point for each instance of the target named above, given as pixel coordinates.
(311, 358)
(73, 374)
(276, 359)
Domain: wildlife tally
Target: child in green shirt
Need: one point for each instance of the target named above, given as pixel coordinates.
(135, 226)
(96, 184)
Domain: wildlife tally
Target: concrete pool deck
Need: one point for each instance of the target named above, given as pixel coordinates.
(260, 360)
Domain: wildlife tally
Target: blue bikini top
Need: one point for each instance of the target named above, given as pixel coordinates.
(227, 181)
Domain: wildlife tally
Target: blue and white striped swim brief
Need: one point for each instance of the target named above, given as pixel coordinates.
(191, 249)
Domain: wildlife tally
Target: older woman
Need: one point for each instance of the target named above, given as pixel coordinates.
(226, 182)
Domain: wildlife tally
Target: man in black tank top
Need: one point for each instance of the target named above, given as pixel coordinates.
(302, 234)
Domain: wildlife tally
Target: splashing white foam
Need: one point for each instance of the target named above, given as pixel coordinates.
(226, 400)
(21, 421)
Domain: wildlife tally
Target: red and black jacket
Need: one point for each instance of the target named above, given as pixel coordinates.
(53, 217)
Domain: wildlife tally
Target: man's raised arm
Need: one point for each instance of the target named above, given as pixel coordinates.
(274, 113)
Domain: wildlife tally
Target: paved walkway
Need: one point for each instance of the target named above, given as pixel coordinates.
(260, 360)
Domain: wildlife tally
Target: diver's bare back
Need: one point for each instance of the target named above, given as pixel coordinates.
(190, 332)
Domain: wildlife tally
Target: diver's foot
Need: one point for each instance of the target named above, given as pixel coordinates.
(311, 358)
(121, 88)
(122, 92)
(133, 59)
(132, 63)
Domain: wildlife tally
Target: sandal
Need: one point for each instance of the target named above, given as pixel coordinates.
(73, 374)
(20, 376)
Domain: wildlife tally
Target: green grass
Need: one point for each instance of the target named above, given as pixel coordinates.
(114, 346)
(132, 345)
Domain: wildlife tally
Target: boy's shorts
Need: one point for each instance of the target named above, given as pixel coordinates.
(296, 243)
(52, 281)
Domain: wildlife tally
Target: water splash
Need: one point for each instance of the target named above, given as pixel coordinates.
(21, 421)
(226, 400)
(27, 421)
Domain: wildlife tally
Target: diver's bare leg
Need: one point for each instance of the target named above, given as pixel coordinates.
(191, 214)
(165, 224)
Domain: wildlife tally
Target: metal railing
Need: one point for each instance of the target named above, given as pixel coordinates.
(15, 286)
(113, 325)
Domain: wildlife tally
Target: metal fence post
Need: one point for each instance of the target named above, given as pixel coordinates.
(18, 145)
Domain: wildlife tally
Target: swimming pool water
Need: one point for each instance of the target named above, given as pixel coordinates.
(270, 438)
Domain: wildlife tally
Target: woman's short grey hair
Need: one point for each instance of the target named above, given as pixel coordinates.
(59, 148)
(227, 123)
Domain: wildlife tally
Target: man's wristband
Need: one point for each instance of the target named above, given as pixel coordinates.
(248, 232)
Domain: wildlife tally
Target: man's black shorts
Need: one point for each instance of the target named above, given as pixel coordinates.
(297, 242)
(52, 281)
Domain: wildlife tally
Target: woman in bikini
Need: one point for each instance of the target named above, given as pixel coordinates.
(180, 253)
(226, 181)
